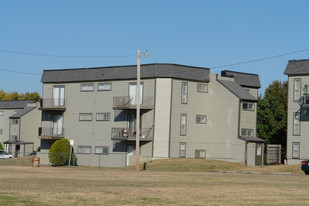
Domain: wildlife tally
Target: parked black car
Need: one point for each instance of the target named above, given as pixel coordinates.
(305, 166)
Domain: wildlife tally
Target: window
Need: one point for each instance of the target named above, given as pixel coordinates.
(102, 150)
(199, 153)
(103, 116)
(15, 121)
(258, 149)
(14, 137)
(1, 113)
(86, 87)
(296, 150)
(184, 92)
(84, 149)
(182, 149)
(248, 106)
(296, 125)
(104, 86)
(85, 116)
(247, 132)
(183, 124)
(200, 119)
(1, 131)
(202, 88)
(296, 91)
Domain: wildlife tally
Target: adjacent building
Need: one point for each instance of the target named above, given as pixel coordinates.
(298, 113)
(186, 112)
(18, 126)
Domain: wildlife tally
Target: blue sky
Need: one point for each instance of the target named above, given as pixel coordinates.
(198, 33)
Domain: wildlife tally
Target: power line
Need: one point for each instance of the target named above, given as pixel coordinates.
(261, 59)
(18, 72)
(61, 56)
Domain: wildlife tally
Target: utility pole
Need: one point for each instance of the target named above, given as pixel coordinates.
(138, 106)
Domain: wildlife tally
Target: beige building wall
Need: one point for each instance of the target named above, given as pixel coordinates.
(293, 107)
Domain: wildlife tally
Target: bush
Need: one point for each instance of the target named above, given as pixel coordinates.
(59, 153)
(1, 146)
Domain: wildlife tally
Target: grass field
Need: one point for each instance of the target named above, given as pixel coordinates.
(158, 185)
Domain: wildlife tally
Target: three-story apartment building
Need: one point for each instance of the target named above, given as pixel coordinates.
(298, 111)
(186, 112)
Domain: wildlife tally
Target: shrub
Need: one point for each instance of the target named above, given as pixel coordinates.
(1, 146)
(59, 153)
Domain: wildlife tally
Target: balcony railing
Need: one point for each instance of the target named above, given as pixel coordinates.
(129, 102)
(52, 103)
(51, 133)
(146, 134)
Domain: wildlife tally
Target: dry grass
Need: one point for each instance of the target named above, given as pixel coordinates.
(101, 186)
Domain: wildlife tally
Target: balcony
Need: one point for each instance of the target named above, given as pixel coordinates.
(52, 104)
(127, 102)
(127, 134)
(51, 133)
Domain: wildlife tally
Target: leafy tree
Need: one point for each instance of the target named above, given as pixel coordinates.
(59, 153)
(272, 114)
(1, 146)
(16, 96)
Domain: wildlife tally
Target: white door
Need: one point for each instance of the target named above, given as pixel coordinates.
(130, 153)
(133, 93)
(58, 95)
(58, 125)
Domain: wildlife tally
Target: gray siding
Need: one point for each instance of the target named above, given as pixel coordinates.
(304, 123)
(162, 117)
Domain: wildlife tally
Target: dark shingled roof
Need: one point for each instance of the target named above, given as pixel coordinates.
(126, 72)
(237, 90)
(14, 104)
(21, 113)
(243, 79)
(252, 139)
(297, 67)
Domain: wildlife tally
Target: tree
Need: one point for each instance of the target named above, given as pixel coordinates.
(272, 114)
(1, 146)
(59, 153)
(17, 96)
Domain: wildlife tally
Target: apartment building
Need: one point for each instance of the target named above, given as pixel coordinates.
(186, 112)
(298, 113)
(18, 126)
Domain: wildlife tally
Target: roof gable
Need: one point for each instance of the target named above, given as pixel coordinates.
(237, 90)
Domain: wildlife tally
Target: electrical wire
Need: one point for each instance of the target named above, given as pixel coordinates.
(261, 59)
(61, 56)
(18, 72)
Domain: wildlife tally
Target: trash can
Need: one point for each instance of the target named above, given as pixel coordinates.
(36, 162)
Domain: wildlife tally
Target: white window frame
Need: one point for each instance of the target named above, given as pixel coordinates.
(203, 88)
(296, 150)
(105, 86)
(246, 132)
(184, 92)
(296, 125)
(104, 116)
(104, 150)
(201, 119)
(248, 106)
(182, 150)
(200, 154)
(87, 87)
(297, 89)
(84, 149)
(183, 124)
(85, 116)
